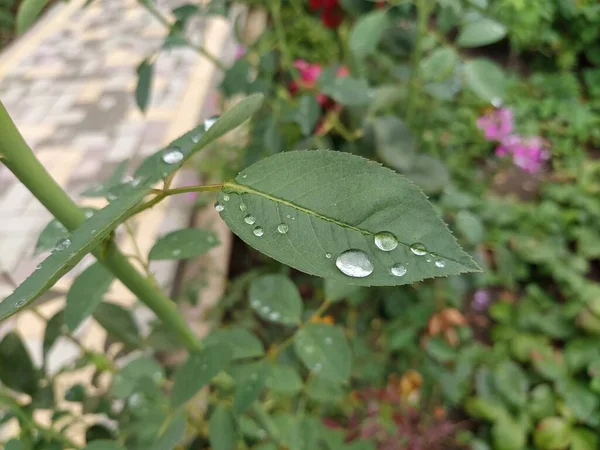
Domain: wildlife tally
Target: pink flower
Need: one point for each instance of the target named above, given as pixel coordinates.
(240, 51)
(497, 124)
(481, 300)
(309, 73)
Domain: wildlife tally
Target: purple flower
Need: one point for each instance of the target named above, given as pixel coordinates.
(240, 51)
(527, 153)
(497, 124)
(481, 300)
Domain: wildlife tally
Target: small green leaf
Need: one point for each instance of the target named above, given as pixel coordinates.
(509, 434)
(183, 244)
(145, 72)
(439, 65)
(396, 145)
(580, 352)
(470, 226)
(480, 32)
(222, 431)
(14, 444)
(119, 323)
(367, 33)
(172, 435)
(552, 433)
(124, 383)
(243, 343)
(440, 350)
(198, 370)
(347, 91)
(486, 79)
(584, 439)
(541, 402)
(307, 114)
(511, 382)
(28, 12)
(324, 350)
(283, 380)
(80, 242)
(16, 367)
(578, 398)
(333, 205)
(53, 332)
(86, 293)
(429, 173)
(324, 391)
(250, 381)
(103, 444)
(275, 298)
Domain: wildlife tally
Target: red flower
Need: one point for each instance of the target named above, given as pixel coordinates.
(331, 14)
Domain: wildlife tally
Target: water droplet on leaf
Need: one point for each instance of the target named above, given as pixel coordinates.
(243, 207)
(328, 340)
(418, 249)
(172, 156)
(62, 244)
(21, 302)
(317, 367)
(265, 309)
(354, 263)
(328, 255)
(226, 198)
(208, 123)
(176, 252)
(258, 231)
(282, 228)
(196, 138)
(220, 207)
(274, 315)
(255, 303)
(398, 270)
(250, 219)
(439, 263)
(309, 349)
(386, 241)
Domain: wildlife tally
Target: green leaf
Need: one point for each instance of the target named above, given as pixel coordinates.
(429, 173)
(486, 409)
(336, 290)
(580, 352)
(283, 380)
(114, 180)
(324, 391)
(584, 439)
(250, 381)
(367, 33)
(542, 402)
(145, 72)
(16, 367)
(508, 434)
(402, 338)
(28, 12)
(198, 370)
(324, 350)
(183, 244)
(53, 332)
(396, 145)
(124, 383)
(579, 399)
(470, 226)
(486, 79)
(511, 382)
(172, 435)
(86, 293)
(347, 91)
(82, 241)
(275, 298)
(14, 444)
(243, 343)
(118, 323)
(222, 432)
(440, 350)
(307, 114)
(54, 232)
(103, 444)
(439, 65)
(552, 433)
(334, 202)
(154, 168)
(480, 32)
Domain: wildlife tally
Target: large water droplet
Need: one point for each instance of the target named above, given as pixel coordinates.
(440, 263)
(354, 263)
(62, 244)
(220, 207)
(258, 231)
(418, 249)
(172, 156)
(282, 228)
(208, 123)
(398, 270)
(250, 219)
(386, 241)
(226, 198)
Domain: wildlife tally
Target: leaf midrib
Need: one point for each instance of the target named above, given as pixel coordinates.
(247, 189)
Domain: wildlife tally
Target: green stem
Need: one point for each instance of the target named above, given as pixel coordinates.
(21, 161)
(413, 82)
(199, 188)
(200, 49)
(275, 10)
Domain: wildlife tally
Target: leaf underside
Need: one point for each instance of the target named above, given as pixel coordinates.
(332, 202)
